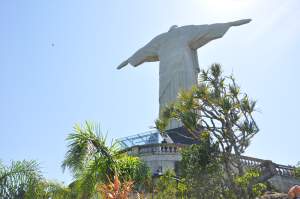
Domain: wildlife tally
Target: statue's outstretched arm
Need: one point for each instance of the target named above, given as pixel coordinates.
(213, 31)
(123, 64)
(219, 29)
(239, 22)
(148, 53)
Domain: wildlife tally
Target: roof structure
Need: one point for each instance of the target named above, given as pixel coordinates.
(148, 137)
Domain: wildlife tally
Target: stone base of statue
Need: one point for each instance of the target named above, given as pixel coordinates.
(180, 135)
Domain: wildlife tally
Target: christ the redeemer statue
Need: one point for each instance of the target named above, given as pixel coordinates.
(177, 52)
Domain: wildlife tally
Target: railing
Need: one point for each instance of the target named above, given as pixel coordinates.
(283, 170)
(170, 148)
(250, 162)
(157, 149)
(280, 170)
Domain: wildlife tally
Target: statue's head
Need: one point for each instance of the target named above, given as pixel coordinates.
(173, 28)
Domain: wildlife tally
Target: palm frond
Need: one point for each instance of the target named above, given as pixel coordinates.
(19, 179)
(85, 144)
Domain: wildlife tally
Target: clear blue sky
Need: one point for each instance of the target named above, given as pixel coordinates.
(58, 60)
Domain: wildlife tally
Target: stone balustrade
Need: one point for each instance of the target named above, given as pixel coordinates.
(281, 170)
(167, 148)
(173, 149)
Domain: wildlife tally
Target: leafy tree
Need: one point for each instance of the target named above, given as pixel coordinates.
(133, 169)
(93, 162)
(247, 178)
(218, 109)
(202, 170)
(169, 186)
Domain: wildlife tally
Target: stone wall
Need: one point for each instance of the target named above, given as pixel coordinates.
(158, 157)
(283, 183)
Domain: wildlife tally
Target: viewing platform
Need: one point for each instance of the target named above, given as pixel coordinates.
(160, 157)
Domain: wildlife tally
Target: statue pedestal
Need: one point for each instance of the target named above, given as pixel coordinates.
(180, 135)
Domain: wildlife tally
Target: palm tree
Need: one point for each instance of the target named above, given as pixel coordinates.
(23, 180)
(93, 162)
(20, 180)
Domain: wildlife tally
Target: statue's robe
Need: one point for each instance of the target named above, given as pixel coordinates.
(177, 52)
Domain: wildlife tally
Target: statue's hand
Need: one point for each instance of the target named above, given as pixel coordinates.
(124, 63)
(240, 22)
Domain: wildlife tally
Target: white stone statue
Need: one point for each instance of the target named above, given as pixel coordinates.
(177, 52)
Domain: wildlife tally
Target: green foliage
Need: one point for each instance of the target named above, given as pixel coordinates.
(203, 156)
(133, 169)
(169, 187)
(20, 180)
(23, 180)
(93, 162)
(202, 170)
(203, 173)
(297, 171)
(87, 144)
(55, 190)
(244, 181)
(218, 115)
